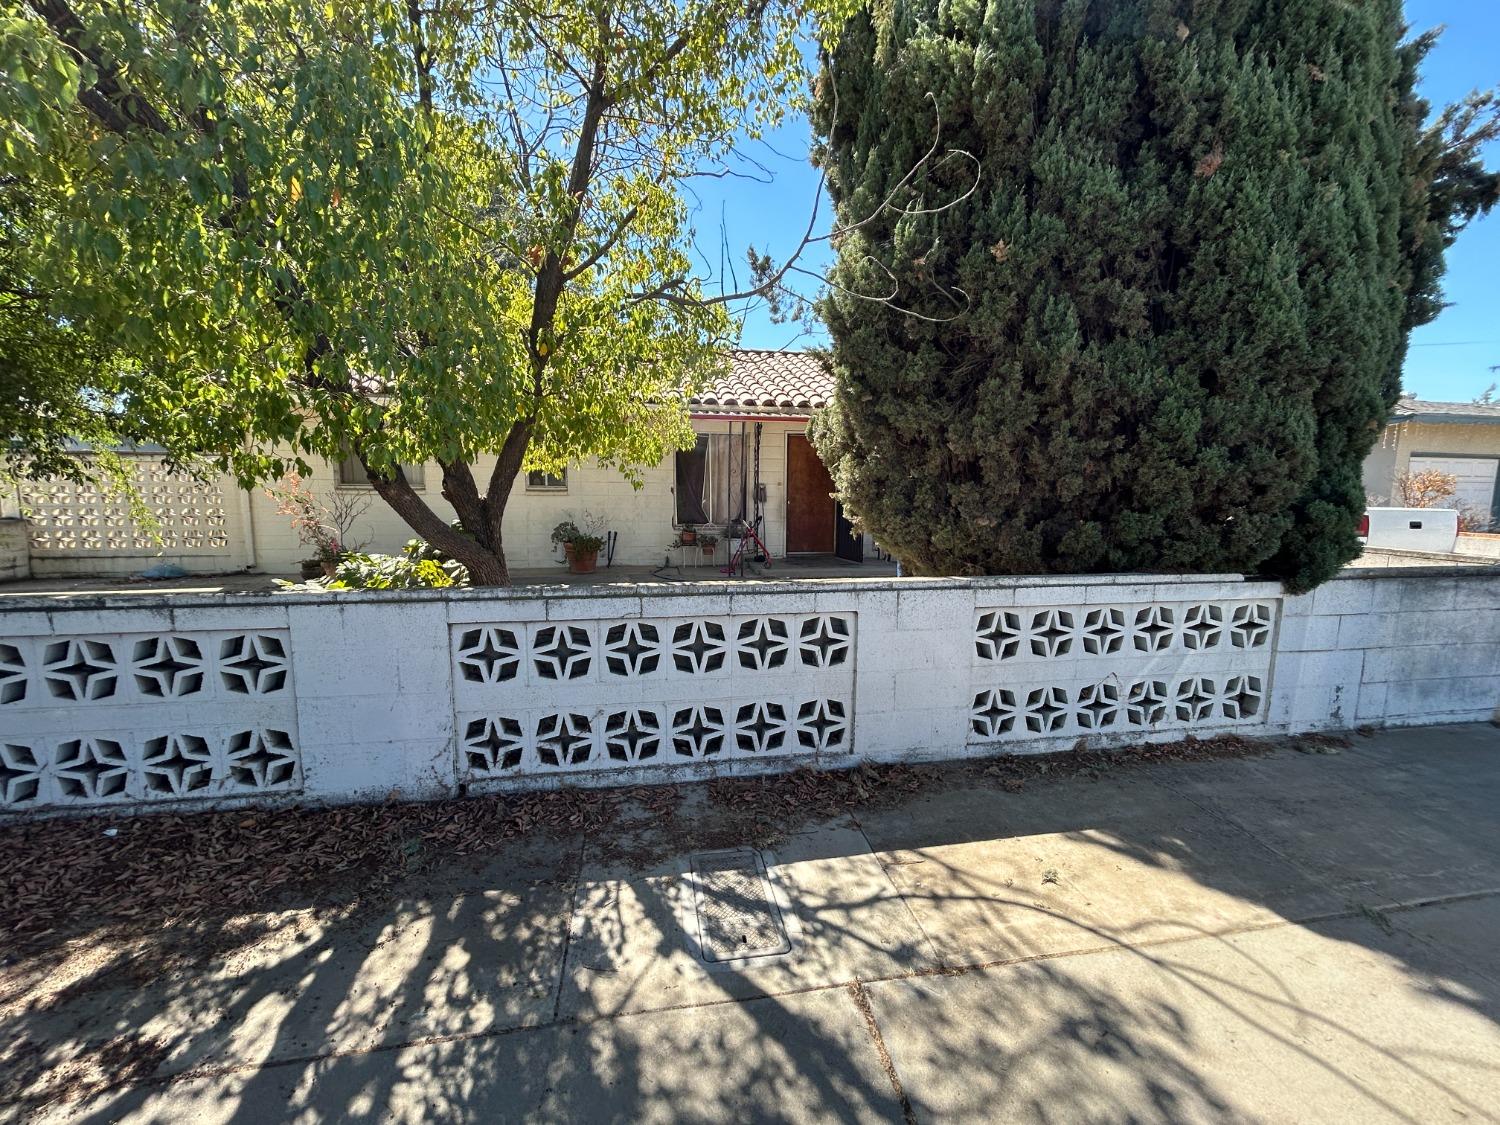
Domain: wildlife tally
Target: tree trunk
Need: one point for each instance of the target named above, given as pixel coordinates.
(485, 562)
(503, 479)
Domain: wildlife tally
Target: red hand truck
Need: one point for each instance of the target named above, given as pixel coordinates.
(749, 536)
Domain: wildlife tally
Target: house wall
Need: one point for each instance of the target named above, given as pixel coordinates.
(1400, 440)
(773, 441)
(641, 517)
(150, 702)
(216, 527)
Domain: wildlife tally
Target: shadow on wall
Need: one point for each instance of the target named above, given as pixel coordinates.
(551, 982)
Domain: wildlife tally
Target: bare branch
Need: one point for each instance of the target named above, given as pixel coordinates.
(683, 291)
(604, 247)
(889, 299)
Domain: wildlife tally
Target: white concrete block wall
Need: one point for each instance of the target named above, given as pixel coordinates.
(156, 702)
(15, 554)
(85, 530)
(1397, 648)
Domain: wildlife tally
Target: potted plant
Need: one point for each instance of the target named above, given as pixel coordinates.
(709, 545)
(688, 535)
(585, 553)
(322, 524)
(563, 535)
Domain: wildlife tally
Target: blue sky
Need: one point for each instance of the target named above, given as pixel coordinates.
(1449, 358)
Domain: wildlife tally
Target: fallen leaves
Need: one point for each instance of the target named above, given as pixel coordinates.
(817, 793)
(1314, 743)
(68, 875)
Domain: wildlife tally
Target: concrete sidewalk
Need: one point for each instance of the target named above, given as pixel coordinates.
(1293, 937)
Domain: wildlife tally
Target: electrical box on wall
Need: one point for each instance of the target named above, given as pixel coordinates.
(760, 493)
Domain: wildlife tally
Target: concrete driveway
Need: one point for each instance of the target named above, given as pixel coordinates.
(1302, 936)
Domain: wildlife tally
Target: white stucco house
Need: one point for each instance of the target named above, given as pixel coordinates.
(1461, 438)
(753, 460)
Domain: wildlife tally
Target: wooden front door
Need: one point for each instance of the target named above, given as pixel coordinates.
(809, 500)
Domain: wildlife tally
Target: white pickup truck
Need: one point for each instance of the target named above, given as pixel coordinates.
(1410, 529)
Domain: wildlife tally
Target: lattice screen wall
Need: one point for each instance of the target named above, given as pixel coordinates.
(1131, 667)
(558, 697)
(148, 717)
(70, 519)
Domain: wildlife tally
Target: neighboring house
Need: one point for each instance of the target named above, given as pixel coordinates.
(1461, 438)
(753, 460)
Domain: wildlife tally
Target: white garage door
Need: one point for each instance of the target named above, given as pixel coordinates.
(1476, 480)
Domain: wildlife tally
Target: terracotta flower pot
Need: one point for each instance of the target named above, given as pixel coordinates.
(568, 553)
(329, 566)
(687, 536)
(582, 562)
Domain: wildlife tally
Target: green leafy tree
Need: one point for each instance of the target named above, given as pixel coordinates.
(411, 231)
(1166, 326)
(56, 376)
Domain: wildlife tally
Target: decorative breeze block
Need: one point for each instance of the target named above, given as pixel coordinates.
(1082, 670)
(548, 697)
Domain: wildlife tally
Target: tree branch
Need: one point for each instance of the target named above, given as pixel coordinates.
(604, 247)
(118, 108)
(460, 490)
(419, 55)
(679, 291)
(503, 478)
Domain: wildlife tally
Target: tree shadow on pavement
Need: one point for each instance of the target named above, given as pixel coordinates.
(1080, 949)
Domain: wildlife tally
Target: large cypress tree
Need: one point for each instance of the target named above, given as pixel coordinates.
(1164, 325)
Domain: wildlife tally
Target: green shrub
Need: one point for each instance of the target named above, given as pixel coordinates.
(417, 567)
(1152, 296)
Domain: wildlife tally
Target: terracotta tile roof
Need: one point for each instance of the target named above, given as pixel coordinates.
(776, 384)
(1416, 409)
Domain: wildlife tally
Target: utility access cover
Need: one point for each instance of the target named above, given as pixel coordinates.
(736, 907)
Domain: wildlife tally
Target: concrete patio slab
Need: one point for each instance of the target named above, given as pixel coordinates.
(1461, 933)
(1394, 844)
(1079, 866)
